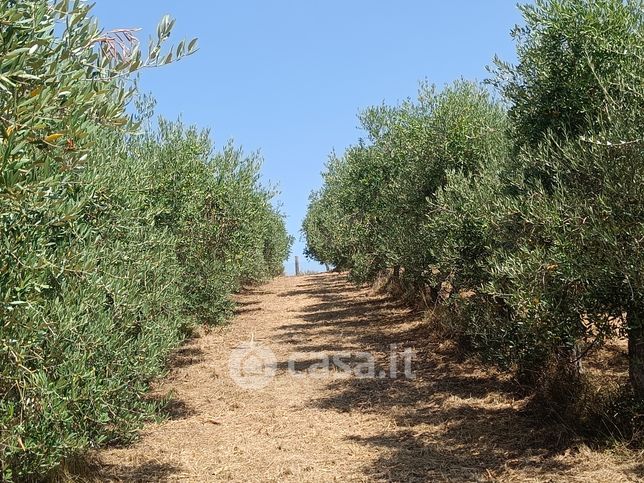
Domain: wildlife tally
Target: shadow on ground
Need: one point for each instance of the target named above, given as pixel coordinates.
(453, 421)
(186, 355)
(141, 473)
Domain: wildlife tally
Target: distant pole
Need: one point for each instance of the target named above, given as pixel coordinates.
(297, 265)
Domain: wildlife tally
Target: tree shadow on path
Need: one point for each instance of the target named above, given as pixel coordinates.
(455, 420)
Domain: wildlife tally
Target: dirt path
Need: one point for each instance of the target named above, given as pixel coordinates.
(453, 422)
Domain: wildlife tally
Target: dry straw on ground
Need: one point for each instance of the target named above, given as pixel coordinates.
(454, 422)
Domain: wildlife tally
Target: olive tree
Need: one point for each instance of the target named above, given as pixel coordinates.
(577, 98)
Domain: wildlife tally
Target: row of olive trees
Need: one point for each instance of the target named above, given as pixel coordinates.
(525, 216)
(113, 242)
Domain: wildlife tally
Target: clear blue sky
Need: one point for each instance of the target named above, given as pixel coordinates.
(288, 77)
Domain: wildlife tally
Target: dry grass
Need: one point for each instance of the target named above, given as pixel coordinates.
(456, 421)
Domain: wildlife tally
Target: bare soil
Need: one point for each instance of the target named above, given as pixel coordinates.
(455, 421)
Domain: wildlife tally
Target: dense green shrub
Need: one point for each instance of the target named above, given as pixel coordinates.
(576, 57)
(111, 244)
(577, 98)
(529, 226)
(371, 212)
(228, 232)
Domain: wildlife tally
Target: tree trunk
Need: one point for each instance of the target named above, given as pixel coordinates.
(574, 365)
(636, 352)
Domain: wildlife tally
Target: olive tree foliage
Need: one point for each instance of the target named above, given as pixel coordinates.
(579, 61)
(113, 242)
(369, 215)
(71, 288)
(531, 223)
(229, 234)
(577, 98)
(57, 92)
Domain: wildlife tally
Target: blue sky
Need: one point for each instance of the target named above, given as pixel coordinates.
(288, 77)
